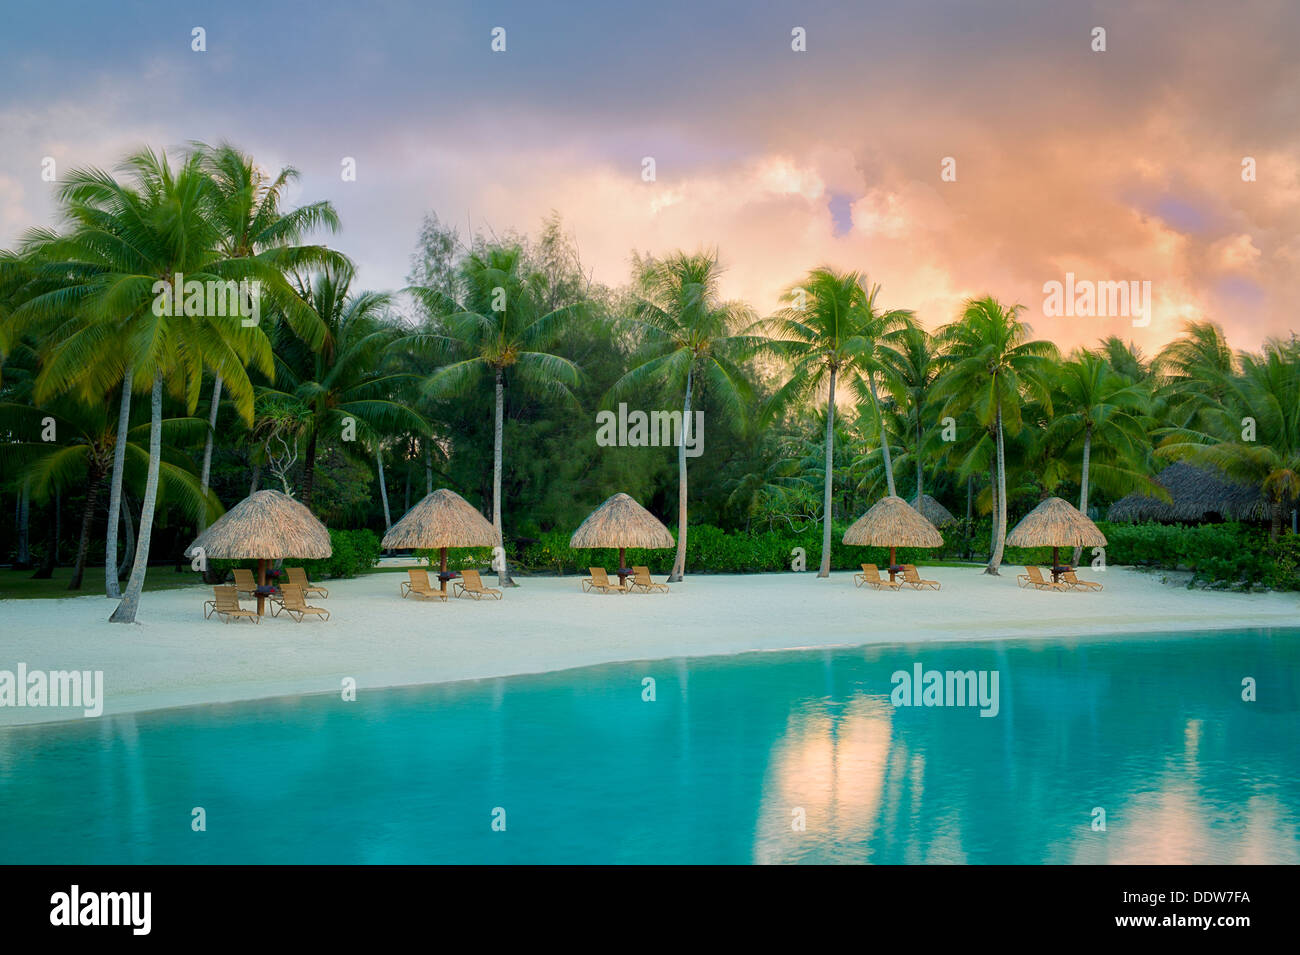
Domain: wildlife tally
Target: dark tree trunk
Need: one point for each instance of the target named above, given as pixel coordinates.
(970, 494)
(406, 503)
(24, 560)
(51, 558)
(87, 521)
(309, 471)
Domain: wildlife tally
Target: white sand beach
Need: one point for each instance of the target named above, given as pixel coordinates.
(175, 657)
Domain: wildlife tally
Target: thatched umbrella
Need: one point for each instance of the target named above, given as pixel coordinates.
(933, 511)
(893, 523)
(267, 525)
(1056, 523)
(1195, 495)
(621, 522)
(443, 519)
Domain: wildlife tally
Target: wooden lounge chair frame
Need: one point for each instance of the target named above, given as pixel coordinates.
(225, 603)
(871, 577)
(245, 582)
(292, 602)
(298, 577)
(1033, 577)
(1074, 583)
(913, 579)
(642, 582)
(417, 584)
(471, 585)
(599, 580)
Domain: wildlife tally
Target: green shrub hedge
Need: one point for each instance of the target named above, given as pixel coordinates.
(711, 550)
(353, 553)
(1218, 554)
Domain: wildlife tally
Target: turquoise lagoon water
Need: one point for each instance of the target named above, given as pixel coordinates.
(717, 768)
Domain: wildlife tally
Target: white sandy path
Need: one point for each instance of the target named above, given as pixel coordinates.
(175, 657)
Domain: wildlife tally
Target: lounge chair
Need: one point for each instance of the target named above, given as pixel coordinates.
(292, 602)
(470, 585)
(298, 577)
(1033, 577)
(871, 577)
(642, 583)
(599, 580)
(418, 585)
(245, 583)
(225, 603)
(915, 581)
(1075, 583)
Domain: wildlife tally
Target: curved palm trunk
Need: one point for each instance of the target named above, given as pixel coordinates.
(679, 562)
(207, 452)
(884, 438)
(1275, 518)
(825, 569)
(1083, 486)
(96, 481)
(111, 586)
(1000, 524)
(993, 495)
(383, 488)
(126, 610)
(128, 551)
(503, 575)
(428, 469)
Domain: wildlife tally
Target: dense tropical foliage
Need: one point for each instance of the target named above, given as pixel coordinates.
(125, 423)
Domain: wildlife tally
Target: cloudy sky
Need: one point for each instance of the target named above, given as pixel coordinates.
(1122, 165)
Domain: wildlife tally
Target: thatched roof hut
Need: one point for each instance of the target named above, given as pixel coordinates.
(622, 522)
(892, 522)
(1197, 495)
(1056, 523)
(933, 511)
(443, 519)
(266, 525)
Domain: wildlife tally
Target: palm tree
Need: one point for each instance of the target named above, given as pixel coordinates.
(347, 376)
(688, 335)
(501, 327)
(832, 331)
(83, 454)
(1099, 404)
(1253, 435)
(1196, 369)
(915, 365)
(993, 368)
(253, 225)
(126, 245)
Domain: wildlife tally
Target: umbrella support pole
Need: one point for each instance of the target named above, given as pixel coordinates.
(622, 577)
(261, 584)
(442, 573)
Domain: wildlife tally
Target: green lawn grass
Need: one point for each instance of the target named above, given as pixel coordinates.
(18, 584)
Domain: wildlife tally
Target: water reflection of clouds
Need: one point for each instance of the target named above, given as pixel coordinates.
(833, 765)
